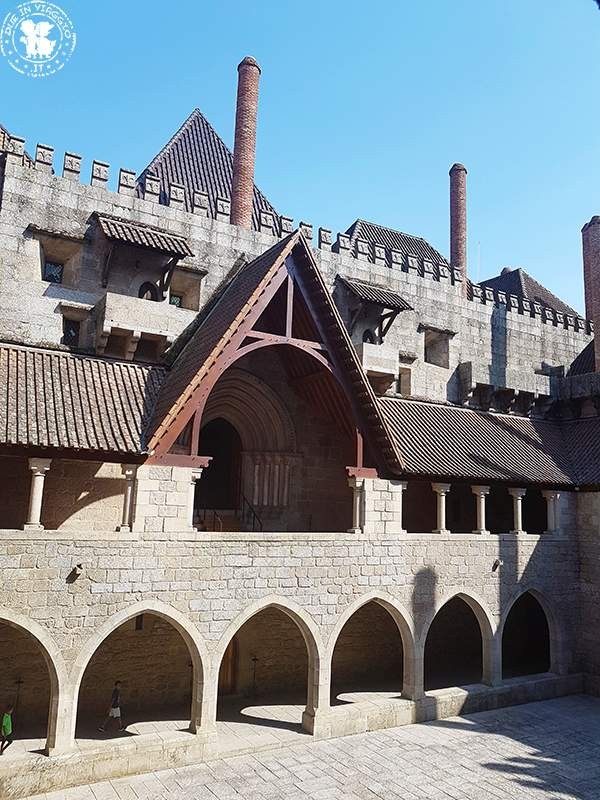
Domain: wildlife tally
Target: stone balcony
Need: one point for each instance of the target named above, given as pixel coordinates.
(380, 362)
(123, 321)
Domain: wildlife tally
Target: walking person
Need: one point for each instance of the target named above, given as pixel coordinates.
(114, 712)
(6, 729)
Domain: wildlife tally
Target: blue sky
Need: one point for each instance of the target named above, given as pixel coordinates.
(363, 108)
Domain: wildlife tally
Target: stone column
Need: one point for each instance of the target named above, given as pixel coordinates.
(358, 504)
(315, 718)
(39, 467)
(129, 472)
(195, 476)
(441, 490)
(413, 683)
(480, 493)
(552, 504)
(517, 496)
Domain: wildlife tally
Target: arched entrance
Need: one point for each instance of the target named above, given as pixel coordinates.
(368, 655)
(26, 684)
(454, 647)
(264, 677)
(220, 485)
(525, 639)
(152, 662)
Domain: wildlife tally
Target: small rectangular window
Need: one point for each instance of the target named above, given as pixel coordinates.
(139, 622)
(176, 300)
(70, 332)
(437, 348)
(53, 272)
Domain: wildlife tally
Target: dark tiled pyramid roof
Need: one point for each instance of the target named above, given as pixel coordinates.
(198, 159)
(394, 240)
(520, 283)
(585, 361)
(52, 399)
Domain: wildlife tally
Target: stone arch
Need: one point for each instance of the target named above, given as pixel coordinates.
(556, 640)
(178, 621)
(317, 692)
(254, 409)
(487, 628)
(403, 622)
(57, 671)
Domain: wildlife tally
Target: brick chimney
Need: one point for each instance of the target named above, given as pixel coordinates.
(458, 220)
(590, 236)
(244, 148)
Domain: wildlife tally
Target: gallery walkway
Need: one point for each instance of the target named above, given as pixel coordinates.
(540, 750)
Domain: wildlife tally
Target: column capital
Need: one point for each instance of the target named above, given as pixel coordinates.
(514, 492)
(129, 471)
(441, 488)
(39, 466)
(480, 491)
(196, 474)
(551, 494)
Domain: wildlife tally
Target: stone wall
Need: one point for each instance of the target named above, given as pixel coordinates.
(588, 522)
(503, 346)
(15, 479)
(83, 494)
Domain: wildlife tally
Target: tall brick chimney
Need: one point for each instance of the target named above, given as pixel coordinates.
(458, 220)
(244, 147)
(590, 236)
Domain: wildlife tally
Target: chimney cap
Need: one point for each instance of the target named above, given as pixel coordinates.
(458, 168)
(595, 220)
(506, 270)
(249, 61)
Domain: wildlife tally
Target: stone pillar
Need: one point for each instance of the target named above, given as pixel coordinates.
(517, 496)
(492, 661)
(315, 718)
(413, 683)
(553, 511)
(441, 490)
(480, 493)
(129, 472)
(61, 722)
(39, 467)
(358, 504)
(195, 476)
(396, 506)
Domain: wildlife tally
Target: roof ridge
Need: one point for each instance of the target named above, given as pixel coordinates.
(392, 230)
(455, 407)
(184, 125)
(6, 345)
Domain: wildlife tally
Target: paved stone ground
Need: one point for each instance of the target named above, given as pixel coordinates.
(540, 750)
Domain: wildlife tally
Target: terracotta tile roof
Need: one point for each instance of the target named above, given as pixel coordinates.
(394, 240)
(197, 158)
(520, 283)
(61, 400)
(379, 295)
(461, 443)
(142, 235)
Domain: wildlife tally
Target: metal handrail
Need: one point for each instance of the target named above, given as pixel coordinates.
(247, 509)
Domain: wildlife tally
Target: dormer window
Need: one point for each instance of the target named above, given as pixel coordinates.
(53, 272)
(148, 291)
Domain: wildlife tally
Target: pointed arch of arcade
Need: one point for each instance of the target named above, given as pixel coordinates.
(557, 644)
(189, 633)
(57, 670)
(318, 688)
(487, 628)
(403, 622)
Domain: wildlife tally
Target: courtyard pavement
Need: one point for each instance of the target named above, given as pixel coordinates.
(549, 749)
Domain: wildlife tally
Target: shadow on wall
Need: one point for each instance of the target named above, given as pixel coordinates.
(83, 494)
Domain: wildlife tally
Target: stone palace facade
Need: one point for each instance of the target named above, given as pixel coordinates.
(247, 462)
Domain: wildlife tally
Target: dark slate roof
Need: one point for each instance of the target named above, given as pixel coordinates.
(394, 240)
(582, 439)
(460, 443)
(142, 235)
(372, 293)
(585, 361)
(197, 158)
(520, 283)
(61, 400)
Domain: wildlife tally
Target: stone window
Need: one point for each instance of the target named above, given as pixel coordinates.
(148, 291)
(405, 381)
(71, 329)
(437, 348)
(176, 300)
(53, 272)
